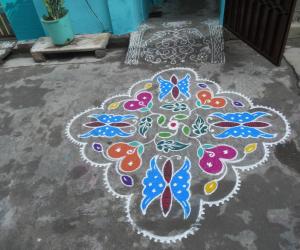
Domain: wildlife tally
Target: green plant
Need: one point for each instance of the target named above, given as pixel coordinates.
(55, 9)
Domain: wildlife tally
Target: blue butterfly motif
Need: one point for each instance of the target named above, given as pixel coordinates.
(240, 117)
(244, 132)
(243, 125)
(174, 86)
(111, 118)
(108, 126)
(155, 185)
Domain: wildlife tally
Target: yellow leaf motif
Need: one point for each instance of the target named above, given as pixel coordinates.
(113, 105)
(148, 85)
(210, 187)
(250, 148)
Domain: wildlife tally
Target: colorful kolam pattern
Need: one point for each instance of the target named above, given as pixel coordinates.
(174, 145)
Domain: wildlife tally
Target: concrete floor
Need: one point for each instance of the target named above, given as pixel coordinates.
(50, 199)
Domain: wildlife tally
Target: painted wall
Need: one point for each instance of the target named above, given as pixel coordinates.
(87, 16)
(5, 29)
(222, 4)
(127, 15)
(23, 19)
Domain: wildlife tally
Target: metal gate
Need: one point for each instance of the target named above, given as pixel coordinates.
(263, 24)
(5, 29)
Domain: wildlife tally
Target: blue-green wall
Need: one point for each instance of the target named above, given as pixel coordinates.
(23, 19)
(127, 15)
(222, 10)
(87, 16)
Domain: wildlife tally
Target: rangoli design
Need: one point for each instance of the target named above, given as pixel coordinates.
(174, 145)
(177, 42)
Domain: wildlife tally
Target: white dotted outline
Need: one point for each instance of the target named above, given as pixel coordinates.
(236, 169)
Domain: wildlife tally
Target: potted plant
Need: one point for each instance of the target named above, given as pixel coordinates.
(57, 22)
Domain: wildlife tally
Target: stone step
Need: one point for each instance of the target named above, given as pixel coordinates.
(3, 54)
(81, 43)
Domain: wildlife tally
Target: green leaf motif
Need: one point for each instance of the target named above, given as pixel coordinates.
(167, 106)
(200, 152)
(144, 109)
(198, 103)
(150, 105)
(176, 107)
(134, 143)
(199, 127)
(180, 117)
(207, 146)
(144, 125)
(205, 107)
(138, 145)
(165, 134)
(186, 130)
(171, 145)
(140, 149)
(161, 120)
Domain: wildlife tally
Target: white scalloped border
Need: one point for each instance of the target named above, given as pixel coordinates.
(236, 169)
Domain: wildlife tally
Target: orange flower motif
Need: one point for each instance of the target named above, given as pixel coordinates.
(206, 98)
(130, 159)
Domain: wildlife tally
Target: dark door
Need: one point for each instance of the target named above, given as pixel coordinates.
(262, 24)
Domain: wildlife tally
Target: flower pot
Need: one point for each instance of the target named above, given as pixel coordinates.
(59, 30)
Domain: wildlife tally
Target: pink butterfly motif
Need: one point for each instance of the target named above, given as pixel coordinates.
(213, 159)
(142, 100)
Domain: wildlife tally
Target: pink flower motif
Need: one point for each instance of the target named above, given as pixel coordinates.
(142, 100)
(173, 125)
(212, 162)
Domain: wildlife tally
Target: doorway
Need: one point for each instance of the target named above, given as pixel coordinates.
(191, 8)
(263, 25)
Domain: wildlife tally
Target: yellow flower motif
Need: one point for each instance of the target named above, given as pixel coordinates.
(210, 187)
(113, 105)
(148, 85)
(250, 148)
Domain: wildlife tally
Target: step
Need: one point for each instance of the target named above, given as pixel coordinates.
(81, 43)
(4, 53)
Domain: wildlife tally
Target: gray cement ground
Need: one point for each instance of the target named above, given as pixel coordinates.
(49, 199)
